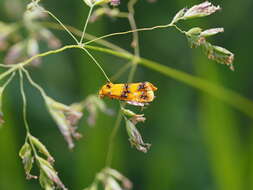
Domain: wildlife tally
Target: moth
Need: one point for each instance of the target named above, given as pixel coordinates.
(138, 94)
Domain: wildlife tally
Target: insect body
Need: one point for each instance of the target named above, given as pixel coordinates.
(138, 94)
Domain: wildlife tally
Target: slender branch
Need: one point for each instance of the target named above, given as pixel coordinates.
(62, 49)
(134, 27)
(9, 80)
(4, 86)
(28, 134)
(48, 53)
(130, 31)
(22, 64)
(100, 40)
(5, 66)
(87, 36)
(122, 15)
(86, 24)
(179, 29)
(131, 5)
(98, 65)
(43, 93)
(24, 101)
(63, 26)
(135, 42)
(9, 71)
(127, 56)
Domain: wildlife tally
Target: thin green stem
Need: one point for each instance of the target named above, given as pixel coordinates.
(9, 71)
(4, 86)
(100, 40)
(61, 50)
(86, 24)
(133, 26)
(135, 42)
(122, 15)
(98, 65)
(129, 32)
(43, 93)
(28, 134)
(87, 36)
(20, 65)
(179, 29)
(131, 5)
(48, 53)
(9, 80)
(127, 56)
(24, 101)
(5, 66)
(63, 26)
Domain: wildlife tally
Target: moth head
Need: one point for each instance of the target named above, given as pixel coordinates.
(105, 90)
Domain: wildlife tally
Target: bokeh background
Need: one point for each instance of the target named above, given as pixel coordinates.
(198, 142)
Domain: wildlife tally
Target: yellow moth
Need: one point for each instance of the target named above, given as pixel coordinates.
(138, 94)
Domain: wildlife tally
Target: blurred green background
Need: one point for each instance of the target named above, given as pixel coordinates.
(198, 142)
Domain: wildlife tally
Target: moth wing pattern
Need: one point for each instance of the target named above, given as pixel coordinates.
(138, 94)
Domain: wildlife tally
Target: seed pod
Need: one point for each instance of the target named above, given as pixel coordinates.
(220, 55)
(27, 158)
(135, 137)
(41, 147)
(201, 10)
(211, 32)
(66, 118)
(179, 15)
(48, 175)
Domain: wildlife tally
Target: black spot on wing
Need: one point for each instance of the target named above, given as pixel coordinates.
(125, 92)
(144, 96)
(142, 86)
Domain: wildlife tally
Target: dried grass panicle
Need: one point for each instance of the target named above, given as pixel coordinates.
(110, 179)
(197, 37)
(66, 118)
